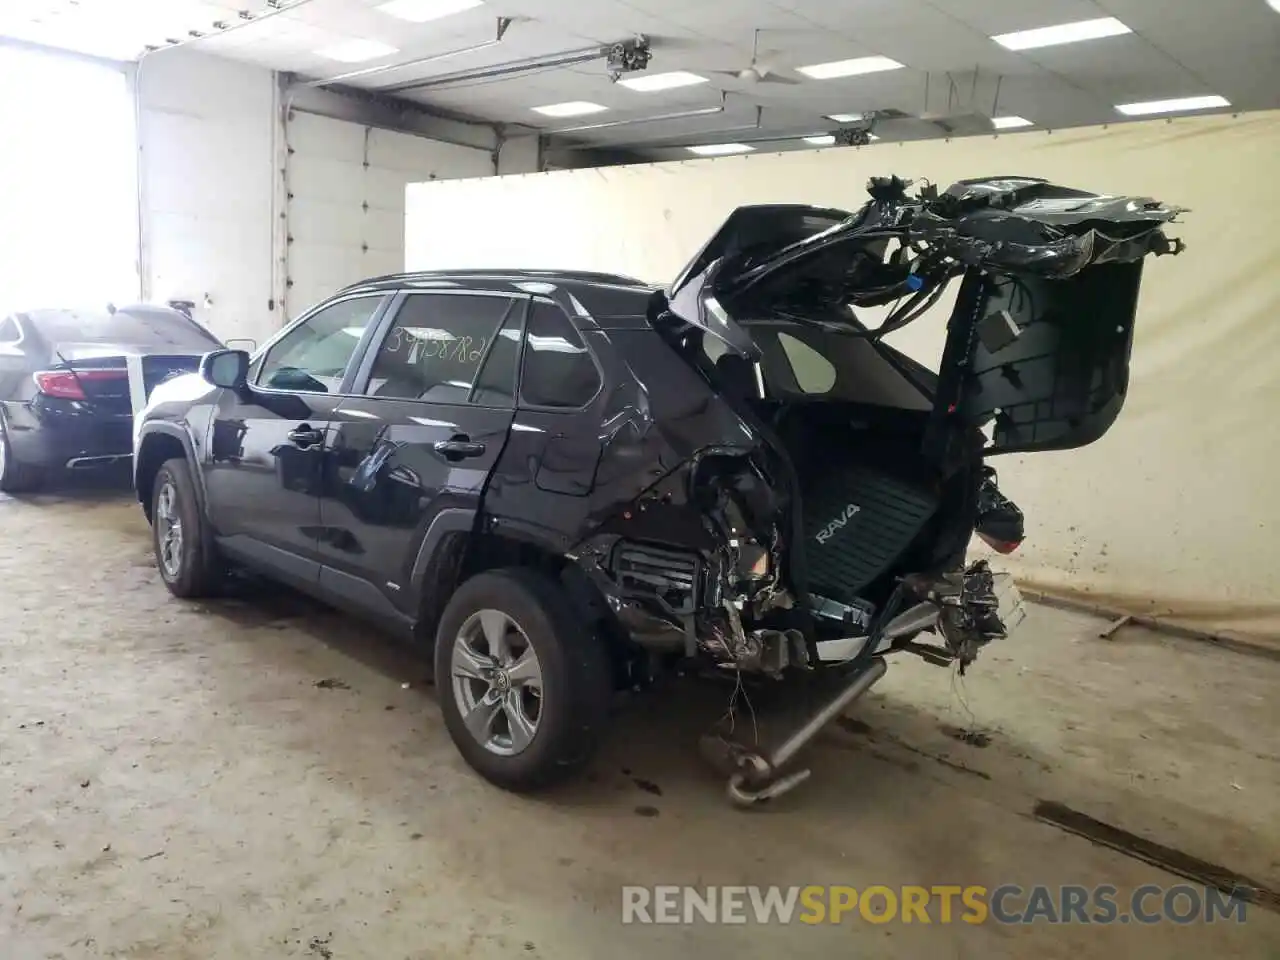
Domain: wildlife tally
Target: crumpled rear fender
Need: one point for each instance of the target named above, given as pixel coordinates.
(661, 417)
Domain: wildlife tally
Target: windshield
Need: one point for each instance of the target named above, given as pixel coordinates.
(801, 362)
(135, 327)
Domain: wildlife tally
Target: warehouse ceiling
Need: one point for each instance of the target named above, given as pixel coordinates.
(920, 68)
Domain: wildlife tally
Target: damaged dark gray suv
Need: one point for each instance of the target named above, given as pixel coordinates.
(570, 483)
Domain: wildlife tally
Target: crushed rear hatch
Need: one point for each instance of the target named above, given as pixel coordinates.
(1039, 339)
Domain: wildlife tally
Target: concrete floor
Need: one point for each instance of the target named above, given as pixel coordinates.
(177, 785)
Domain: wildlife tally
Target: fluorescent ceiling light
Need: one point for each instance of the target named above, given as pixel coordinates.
(570, 108)
(1172, 106)
(1011, 123)
(820, 139)
(356, 51)
(662, 81)
(849, 68)
(1062, 33)
(720, 149)
(420, 11)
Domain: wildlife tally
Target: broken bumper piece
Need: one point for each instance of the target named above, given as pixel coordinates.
(969, 609)
(1011, 608)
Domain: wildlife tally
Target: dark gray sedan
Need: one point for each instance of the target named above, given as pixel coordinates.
(71, 380)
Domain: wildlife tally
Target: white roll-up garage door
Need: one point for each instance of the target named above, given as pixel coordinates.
(344, 210)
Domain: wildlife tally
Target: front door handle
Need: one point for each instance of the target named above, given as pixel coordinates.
(305, 436)
(459, 448)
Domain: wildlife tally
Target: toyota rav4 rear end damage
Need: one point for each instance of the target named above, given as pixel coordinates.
(571, 483)
(823, 516)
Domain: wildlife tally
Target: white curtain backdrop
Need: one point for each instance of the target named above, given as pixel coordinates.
(1173, 513)
(68, 183)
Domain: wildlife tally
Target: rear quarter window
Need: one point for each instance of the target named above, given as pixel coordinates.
(558, 370)
(805, 362)
(813, 372)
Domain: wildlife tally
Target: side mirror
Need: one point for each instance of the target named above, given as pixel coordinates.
(228, 369)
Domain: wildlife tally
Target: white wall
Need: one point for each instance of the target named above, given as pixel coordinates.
(206, 140)
(224, 184)
(1172, 513)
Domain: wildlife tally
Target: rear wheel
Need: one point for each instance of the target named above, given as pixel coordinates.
(187, 564)
(16, 477)
(523, 684)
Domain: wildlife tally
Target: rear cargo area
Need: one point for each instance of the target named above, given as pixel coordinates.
(851, 418)
(866, 495)
(873, 507)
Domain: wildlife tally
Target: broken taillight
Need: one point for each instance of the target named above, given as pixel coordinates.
(999, 523)
(69, 385)
(998, 545)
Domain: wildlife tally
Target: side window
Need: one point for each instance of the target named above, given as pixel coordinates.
(9, 332)
(435, 346)
(313, 356)
(558, 369)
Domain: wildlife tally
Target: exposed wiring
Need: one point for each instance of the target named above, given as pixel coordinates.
(960, 695)
(731, 712)
(910, 311)
(1021, 296)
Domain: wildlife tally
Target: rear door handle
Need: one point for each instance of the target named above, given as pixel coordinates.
(459, 448)
(306, 436)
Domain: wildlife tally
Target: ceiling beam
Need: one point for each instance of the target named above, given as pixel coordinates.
(622, 57)
(389, 113)
(503, 24)
(564, 59)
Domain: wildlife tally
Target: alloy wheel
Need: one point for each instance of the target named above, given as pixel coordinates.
(168, 531)
(497, 682)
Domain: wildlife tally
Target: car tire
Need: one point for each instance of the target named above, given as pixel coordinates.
(570, 705)
(187, 563)
(16, 477)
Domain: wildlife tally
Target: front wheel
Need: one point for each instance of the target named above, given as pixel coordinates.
(187, 565)
(524, 686)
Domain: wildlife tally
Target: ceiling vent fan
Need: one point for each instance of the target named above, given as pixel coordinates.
(756, 72)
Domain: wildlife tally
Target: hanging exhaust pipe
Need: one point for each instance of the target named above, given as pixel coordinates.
(758, 779)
